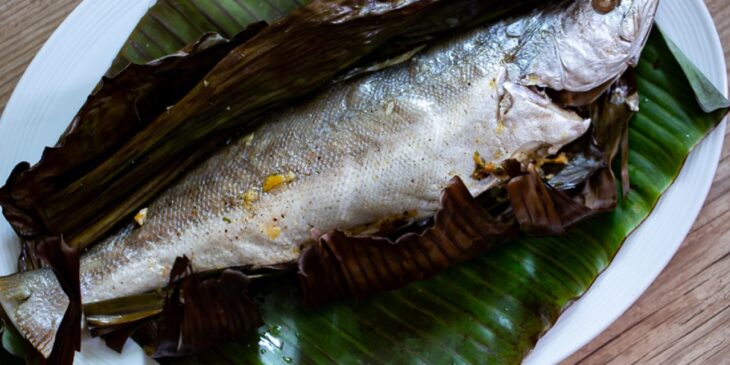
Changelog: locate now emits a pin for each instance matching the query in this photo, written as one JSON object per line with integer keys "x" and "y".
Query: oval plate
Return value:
{"x": 69, "y": 65}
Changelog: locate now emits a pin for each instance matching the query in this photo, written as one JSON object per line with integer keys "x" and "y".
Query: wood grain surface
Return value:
{"x": 683, "y": 318}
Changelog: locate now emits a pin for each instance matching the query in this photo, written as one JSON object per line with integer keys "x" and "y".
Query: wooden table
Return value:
{"x": 684, "y": 317}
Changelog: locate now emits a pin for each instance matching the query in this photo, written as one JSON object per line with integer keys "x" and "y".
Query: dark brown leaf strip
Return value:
{"x": 339, "y": 265}
{"x": 216, "y": 310}
{"x": 532, "y": 204}
{"x": 568, "y": 209}
{"x": 599, "y": 192}
{"x": 211, "y": 311}
{"x": 169, "y": 323}
{"x": 64, "y": 261}
{"x": 610, "y": 117}
{"x": 120, "y": 106}
{"x": 24, "y": 222}
{"x": 226, "y": 94}
{"x": 199, "y": 312}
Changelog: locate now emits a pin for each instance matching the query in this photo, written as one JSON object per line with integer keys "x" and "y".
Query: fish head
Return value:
{"x": 583, "y": 47}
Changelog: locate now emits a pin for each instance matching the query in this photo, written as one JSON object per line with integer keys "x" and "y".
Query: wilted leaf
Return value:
{"x": 90, "y": 195}
{"x": 493, "y": 309}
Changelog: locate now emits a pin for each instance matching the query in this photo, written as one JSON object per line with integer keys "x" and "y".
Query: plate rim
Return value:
{"x": 87, "y": 7}
{"x": 713, "y": 142}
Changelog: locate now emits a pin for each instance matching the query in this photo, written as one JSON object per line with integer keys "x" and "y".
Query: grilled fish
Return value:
{"x": 378, "y": 146}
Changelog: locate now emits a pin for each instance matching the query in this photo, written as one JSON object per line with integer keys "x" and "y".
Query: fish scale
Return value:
{"x": 363, "y": 150}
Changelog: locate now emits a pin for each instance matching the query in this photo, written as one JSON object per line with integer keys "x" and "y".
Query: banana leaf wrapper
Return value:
{"x": 494, "y": 308}
{"x": 287, "y": 324}
{"x": 340, "y": 265}
{"x": 118, "y": 108}
{"x": 337, "y": 266}
{"x": 148, "y": 124}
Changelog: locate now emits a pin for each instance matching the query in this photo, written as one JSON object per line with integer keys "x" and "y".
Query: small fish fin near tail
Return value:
{"x": 35, "y": 304}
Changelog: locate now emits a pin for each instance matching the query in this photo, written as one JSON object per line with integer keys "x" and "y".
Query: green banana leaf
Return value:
{"x": 170, "y": 25}
{"x": 494, "y": 309}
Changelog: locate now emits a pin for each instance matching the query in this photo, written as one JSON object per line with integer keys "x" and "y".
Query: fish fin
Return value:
{"x": 35, "y": 304}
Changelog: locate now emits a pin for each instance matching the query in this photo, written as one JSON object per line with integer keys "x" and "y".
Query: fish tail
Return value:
{"x": 35, "y": 303}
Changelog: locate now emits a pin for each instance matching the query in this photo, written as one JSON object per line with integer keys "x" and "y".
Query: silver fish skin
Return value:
{"x": 362, "y": 150}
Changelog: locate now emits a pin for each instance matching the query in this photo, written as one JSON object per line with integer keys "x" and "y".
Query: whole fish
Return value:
{"x": 379, "y": 146}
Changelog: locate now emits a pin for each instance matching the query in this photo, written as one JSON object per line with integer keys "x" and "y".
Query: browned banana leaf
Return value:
{"x": 493, "y": 309}
{"x": 90, "y": 183}
{"x": 119, "y": 108}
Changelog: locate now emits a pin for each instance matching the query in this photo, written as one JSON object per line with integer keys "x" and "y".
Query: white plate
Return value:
{"x": 68, "y": 66}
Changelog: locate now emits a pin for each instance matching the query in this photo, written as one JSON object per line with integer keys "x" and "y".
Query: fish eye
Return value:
{"x": 605, "y": 6}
